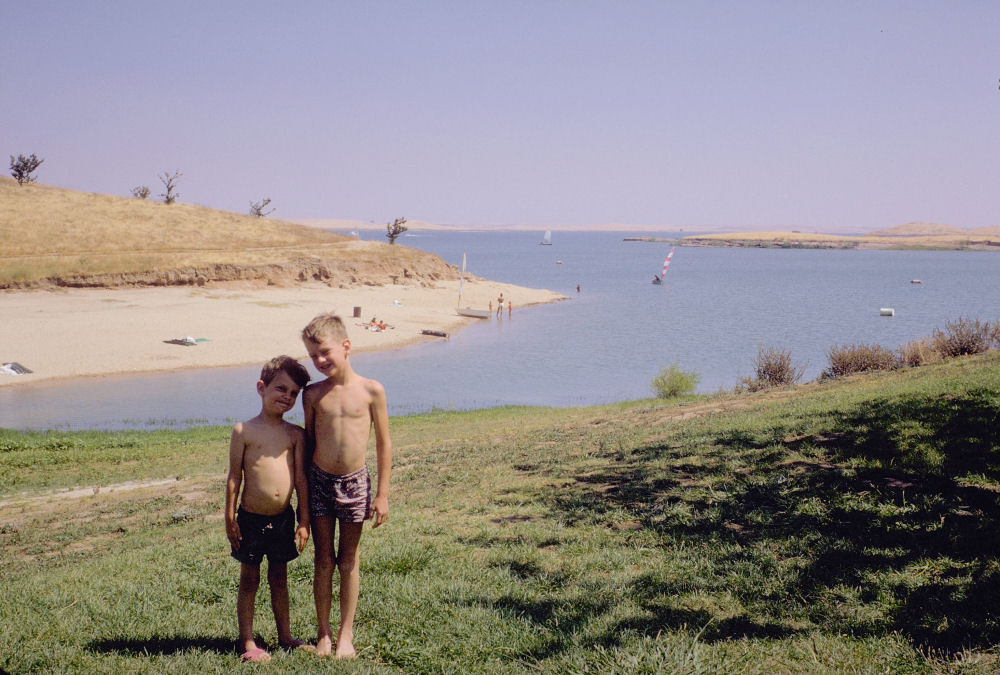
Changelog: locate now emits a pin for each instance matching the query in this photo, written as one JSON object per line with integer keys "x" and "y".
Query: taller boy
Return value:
{"x": 340, "y": 413}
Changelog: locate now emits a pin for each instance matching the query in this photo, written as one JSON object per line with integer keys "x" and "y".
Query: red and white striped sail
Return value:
{"x": 666, "y": 264}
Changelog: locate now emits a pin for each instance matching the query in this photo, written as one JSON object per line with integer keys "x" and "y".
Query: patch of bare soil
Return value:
{"x": 84, "y": 519}
{"x": 424, "y": 271}
{"x": 36, "y": 505}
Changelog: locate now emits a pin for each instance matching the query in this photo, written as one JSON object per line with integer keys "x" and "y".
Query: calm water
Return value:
{"x": 604, "y": 344}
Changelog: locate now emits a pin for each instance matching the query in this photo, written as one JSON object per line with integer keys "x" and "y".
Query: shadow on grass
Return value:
{"x": 891, "y": 523}
{"x": 163, "y": 645}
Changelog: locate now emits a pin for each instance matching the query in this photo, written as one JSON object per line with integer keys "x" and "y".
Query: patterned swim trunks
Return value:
{"x": 347, "y": 498}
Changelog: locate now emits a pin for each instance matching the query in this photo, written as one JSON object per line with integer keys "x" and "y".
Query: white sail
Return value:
{"x": 547, "y": 239}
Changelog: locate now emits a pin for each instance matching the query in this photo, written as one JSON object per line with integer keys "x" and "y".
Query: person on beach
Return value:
{"x": 267, "y": 458}
{"x": 340, "y": 413}
{"x": 500, "y": 305}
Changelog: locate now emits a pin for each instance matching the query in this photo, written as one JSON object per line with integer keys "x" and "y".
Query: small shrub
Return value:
{"x": 170, "y": 185}
{"x": 673, "y": 382}
{"x": 772, "y": 368}
{"x": 860, "y": 359}
{"x": 394, "y": 229}
{"x": 964, "y": 336}
{"x": 917, "y": 353}
{"x": 23, "y": 167}
{"x": 140, "y": 191}
{"x": 257, "y": 208}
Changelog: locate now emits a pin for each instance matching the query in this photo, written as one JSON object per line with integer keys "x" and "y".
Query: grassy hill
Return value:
{"x": 845, "y": 526}
{"x": 51, "y": 235}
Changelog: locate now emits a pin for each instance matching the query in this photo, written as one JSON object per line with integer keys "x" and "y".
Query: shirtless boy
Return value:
{"x": 340, "y": 413}
{"x": 267, "y": 455}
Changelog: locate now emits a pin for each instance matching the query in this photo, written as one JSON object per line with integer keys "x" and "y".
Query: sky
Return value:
{"x": 819, "y": 116}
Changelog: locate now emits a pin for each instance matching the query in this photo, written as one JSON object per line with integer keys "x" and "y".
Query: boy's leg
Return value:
{"x": 277, "y": 580}
{"x": 347, "y": 565}
{"x": 323, "y": 531}
{"x": 249, "y": 581}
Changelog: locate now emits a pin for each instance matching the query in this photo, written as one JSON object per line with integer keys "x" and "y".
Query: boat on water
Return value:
{"x": 474, "y": 313}
{"x": 468, "y": 311}
{"x": 658, "y": 278}
{"x": 546, "y": 239}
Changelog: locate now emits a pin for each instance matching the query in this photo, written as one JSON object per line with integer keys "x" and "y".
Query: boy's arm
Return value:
{"x": 310, "y": 424}
{"x": 383, "y": 454}
{"x": 233, "y": 482}
{"x": 301, "y": 490}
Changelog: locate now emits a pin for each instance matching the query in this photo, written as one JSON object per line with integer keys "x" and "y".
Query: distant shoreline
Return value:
{"x": 801, "y": 241}
{"x": 914, "y": 236}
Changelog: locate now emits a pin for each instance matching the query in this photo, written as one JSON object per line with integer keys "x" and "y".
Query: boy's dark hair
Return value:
{"x": 325, "y": 325}
{"x": 285, "y": 364}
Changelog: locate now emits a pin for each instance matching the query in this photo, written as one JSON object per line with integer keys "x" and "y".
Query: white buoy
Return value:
{"x": 887, "y": 311}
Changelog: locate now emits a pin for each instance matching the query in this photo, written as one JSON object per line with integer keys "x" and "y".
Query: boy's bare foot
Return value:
{"x": 324, "y": 646}
{"x": 255, "y": 655}
{"x": 345, "y": 647}
{"x": 293, "y": 643}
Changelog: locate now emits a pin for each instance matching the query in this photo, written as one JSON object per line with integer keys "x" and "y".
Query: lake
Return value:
{"x": 716, "y": 308}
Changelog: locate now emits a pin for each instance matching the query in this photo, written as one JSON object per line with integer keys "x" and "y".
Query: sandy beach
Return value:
{"x": 74, "y": 333}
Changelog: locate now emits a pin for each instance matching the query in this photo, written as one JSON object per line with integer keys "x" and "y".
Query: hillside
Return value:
{"x": 55, "y": 236}
{"x": 847, "y": 526}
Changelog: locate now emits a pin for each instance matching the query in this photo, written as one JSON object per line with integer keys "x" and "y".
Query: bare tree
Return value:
{"x": 140, "y": 191}
{"x": 170, "y": 185}
{"x": 394, "y": 229}
{"x": 257, "y": 208}
{"x": 22, "y": 168}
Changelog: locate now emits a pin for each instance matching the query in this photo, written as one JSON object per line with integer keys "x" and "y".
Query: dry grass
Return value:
{"x": 772, "y": 368}
{"x": 45, "y": 220}
{"x": 49, "y": 232}
{"x": 848, "y": 359}
{"x": 918, "y": 353}
{"x": 965, "y": 336}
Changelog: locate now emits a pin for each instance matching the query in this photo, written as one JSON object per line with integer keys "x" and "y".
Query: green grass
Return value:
{"x": 844, "y": 526}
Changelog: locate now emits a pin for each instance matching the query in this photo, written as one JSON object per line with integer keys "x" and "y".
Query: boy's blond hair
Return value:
{"x": 325, "y": 325}
{"x": 287, "y": 365}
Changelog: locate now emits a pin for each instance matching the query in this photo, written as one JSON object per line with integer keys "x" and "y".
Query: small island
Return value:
{"x": 910, "y": 236}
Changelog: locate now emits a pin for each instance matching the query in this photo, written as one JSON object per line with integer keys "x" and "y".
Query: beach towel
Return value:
{"x": 14, "y": 368}
{"x": 187, "y": 341}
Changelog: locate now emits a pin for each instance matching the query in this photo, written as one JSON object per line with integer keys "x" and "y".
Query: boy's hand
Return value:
{"x": 379, "y": 510}
{"x": 301, "y": 537}
{"x": 233, "y": 532}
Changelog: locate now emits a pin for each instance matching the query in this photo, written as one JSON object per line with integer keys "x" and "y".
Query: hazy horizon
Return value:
{"x": 718, "y": 115}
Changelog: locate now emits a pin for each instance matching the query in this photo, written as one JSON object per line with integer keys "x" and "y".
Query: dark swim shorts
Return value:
{"x": 347, "y": 498}
{"x": 273, "y": 536}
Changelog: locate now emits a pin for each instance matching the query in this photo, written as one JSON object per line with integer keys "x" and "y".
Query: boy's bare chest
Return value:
{"x": 270, "y": 446}
{"x": 344, "y": 406}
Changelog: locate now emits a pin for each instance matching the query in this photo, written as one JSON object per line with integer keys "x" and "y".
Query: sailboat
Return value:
{"x": 468, "y": 311}
{"x": 666, "y": 263}
{"x": 546, "y": 239}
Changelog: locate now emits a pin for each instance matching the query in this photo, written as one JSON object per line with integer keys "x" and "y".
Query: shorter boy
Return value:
{"x": 266, "y": 455}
